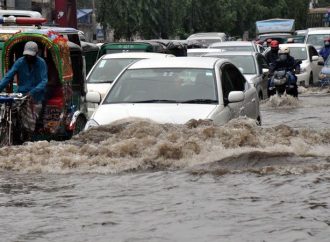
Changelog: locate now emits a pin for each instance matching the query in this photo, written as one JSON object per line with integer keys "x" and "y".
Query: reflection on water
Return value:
{"x": 136, "y": 180}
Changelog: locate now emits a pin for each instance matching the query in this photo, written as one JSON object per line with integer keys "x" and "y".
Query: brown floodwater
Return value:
{"x": 137, "y": 180}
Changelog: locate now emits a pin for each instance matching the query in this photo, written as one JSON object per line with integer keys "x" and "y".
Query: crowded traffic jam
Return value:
{"x": 209, "y": 75}
{"x": 277, "y": 62}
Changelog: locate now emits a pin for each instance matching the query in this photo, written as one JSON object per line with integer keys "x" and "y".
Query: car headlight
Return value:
{"x": 90, "y": 124}
{"x": 322, "y": 76}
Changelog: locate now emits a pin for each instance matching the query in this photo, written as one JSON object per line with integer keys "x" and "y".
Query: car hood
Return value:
{"x": 160, "y": 112}
{"x": 101, "y": 88}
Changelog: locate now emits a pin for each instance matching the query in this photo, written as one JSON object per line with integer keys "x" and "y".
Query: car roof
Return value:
{"x": 295, "y": 45}
{"x": 239, "y": 53}
{"x": 232, "y": 43}
{"x": 207, "y": 34}
{"x": 321, "y": 30}
{"x": 180, "y": 62}
{"x": 135, "y": 55}
{"x": 197, "y": 50}
{"x": 275, "y": 34}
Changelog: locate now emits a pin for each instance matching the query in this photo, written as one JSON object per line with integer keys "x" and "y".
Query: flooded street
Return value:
{"x": 136, "y": 180}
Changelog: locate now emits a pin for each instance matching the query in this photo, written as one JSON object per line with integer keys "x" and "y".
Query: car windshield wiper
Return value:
{"x": 156, "y": 101}
{"x": 200, "y": 101}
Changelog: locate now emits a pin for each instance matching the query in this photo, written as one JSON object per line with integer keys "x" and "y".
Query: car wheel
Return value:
{"x": 80, "y": 125}
{"x": 311, "y": 79}
{"x": 259, "y": 121}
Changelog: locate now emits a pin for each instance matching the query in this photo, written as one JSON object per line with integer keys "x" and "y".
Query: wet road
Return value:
{"x": 141, "y": 181}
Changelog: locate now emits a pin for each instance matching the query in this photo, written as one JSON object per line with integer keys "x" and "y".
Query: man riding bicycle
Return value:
{"x": 32, "y": 80}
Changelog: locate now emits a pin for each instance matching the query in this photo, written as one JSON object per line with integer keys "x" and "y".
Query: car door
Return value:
{"x": 238, "y": 83}
{"x": 263, "y": 76}
{"x": 250, "y": 104}
{"x": 316, "y": 68}
{"x": 227, "y": 85}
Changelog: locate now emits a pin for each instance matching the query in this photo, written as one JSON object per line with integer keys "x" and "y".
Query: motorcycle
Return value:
{"x": 280, "y": 82}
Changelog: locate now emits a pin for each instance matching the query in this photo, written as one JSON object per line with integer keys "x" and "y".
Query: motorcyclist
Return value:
{"x": 325, "y": 51}
{"x": 272, "y": 55}
{"x": 286, "y": 62}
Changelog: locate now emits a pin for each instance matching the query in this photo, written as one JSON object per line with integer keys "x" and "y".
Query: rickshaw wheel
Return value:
{"x": 80, "y": 125}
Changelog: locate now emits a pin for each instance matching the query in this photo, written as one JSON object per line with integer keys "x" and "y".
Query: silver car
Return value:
{"x": 176, "y": 90}
{"x": 253, "y": 65}
{"x": 238, "y": 46}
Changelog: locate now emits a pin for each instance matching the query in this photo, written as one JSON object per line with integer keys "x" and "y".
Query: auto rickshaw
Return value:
{"x": 64, "y": 111}
{"x": 137, "y": 46}
{"x": 90, "y": 51}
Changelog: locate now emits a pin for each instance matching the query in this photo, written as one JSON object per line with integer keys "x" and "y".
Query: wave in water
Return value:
{"x": 285, "y": 101}
{"x": 199, "y": 146}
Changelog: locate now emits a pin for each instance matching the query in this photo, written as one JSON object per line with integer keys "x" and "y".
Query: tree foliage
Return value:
{"x": 179, "y": 18}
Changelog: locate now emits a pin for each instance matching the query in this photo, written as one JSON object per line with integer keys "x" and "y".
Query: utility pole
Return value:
{"x": 94, "y": 21}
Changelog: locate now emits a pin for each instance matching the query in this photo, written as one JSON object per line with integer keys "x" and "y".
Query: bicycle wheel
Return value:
{"x": 4, "y": 133}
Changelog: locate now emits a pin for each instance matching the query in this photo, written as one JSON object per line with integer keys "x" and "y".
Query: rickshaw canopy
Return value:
{"x": 55, "y": 44}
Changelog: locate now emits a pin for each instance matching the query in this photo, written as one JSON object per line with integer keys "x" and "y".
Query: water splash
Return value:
{"x": 137, "y": 144}
{"x": 285, "y": 101}
{"x": 313, "y": 90}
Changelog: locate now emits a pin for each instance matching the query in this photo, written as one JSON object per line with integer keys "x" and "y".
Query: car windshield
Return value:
{"x": 164, "y": 85}
{"x": 299, "y": 53}
{"x": 234, "y": 48}
{"x": 245, "y": 63}
{"x": 317, "y": 39}
{"x": 108, "y": 69}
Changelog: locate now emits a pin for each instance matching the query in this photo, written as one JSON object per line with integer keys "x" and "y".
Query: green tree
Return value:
{"x": 172, "y": 18}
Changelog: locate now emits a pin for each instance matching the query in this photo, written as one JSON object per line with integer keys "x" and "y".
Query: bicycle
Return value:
{"x": 9, "y": 103}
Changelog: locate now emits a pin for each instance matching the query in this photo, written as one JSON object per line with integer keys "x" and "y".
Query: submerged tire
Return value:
{"x": 80, "y": 125}
{"x": 280, "y": 90}
{"x": 311, "y": 79}
{"x": 4, "y": 134}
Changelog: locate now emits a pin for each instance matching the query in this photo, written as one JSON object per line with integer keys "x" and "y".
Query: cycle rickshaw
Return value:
{"x": 64, "y": 111}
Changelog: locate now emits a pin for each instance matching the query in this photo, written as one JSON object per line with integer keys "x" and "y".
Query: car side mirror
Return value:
{"x": 93, "y": 97}
{"x": 315, "y": 58}
{"x": 236, "y": 96}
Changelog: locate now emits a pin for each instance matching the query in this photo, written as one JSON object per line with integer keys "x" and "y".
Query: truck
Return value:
{"x": 275, "y": 29}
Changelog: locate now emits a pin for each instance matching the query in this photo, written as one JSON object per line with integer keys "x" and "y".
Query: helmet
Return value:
{"x": 274, "y": 44}
{"x": 327, "y": 41}
{"x": 284, "y": 50}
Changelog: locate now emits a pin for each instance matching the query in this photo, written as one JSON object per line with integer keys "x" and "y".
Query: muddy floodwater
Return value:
{"x": 136, "y": 180}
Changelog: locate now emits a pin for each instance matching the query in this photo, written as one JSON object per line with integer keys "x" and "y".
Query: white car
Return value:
{"x": 253, "y": 65}
{"x": 316, "y": 36}
{"x": 106, "y": 69}
{"x": 201, "y": 51}
{"x": 176, "y": 90}
{"x": 238, "y": 46}
{"x": 207, "y": 38}
{"x": 310, "y": 67}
